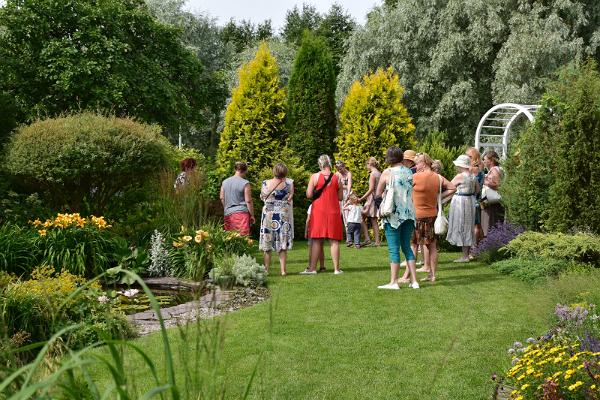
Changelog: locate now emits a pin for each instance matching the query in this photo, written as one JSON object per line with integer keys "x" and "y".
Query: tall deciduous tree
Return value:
{"x": 311, "y": 101}
{"x": 457, "y": 58}
{"x": 255, "y": 118}
{"x": 110, "y": 55}
{"x": 372, "y": 119}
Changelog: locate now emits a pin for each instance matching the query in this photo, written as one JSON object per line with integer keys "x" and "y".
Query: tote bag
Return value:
{"x": 387, "y": 204}
{"x": 440, "y": 225}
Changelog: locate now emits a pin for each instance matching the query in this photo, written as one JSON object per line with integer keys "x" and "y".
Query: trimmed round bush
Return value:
{"x": 86, "y": 158}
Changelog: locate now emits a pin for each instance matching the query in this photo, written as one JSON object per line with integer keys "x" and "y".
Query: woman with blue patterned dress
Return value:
{"x": 400, "y": 224}
{"x": 277, "y": 221}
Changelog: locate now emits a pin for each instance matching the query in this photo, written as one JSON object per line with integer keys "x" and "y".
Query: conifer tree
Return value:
{"x": 311, "y": 101}
{"x": 372, "y": 119}
{"x": 255, "y": 119}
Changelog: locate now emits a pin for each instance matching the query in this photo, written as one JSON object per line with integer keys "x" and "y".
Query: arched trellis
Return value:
{"x": 494, "y": 127}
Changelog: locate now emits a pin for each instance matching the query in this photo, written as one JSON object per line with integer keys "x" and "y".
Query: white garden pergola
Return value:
{"x": 494, "y": 127}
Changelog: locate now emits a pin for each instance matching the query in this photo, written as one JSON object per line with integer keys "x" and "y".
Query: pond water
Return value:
{"x": 134, "y": 300}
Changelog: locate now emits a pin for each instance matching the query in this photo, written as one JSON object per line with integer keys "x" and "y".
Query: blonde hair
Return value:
{"x": 324, "y": 161}
{"x": 425, "y": 158}
{"x": 280, "y": 170}
{"x": 437, "y": 166}
{"x": 475, "y": 156}
{"x": 373, "y": 162}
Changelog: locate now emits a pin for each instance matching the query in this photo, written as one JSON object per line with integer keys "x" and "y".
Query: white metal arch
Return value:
{"x": 501, "y": 117}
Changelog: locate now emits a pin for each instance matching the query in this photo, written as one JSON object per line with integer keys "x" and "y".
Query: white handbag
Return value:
{"x": 440, "y": 225}
{"x": 387, "y": 204}
{"x": 490, "y": 196}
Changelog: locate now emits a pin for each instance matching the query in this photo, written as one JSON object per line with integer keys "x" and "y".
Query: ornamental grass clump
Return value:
{"x": 562, "y": 364}
{"x": 489, "y": 249}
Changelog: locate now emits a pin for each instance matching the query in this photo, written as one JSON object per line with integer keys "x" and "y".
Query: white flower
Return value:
{"x": 130, "y": 292}
{"x": 511, "y": 351}
{"x": 531, "y": 340}
{"x": 103, "y": 299}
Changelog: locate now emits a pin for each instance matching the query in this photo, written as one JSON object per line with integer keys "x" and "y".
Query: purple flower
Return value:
{"x": 567, "y": 314}
{"x": 498, "y": 236}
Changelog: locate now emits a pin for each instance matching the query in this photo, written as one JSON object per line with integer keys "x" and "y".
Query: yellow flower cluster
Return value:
{"x": 199, "y": 237}
{"x": 45, "y": 283}
{"x": 64, "y": 221}
{"x": 548, "y": 362}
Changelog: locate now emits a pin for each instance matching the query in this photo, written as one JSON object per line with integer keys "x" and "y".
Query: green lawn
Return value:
{"x": 339, "y": 337}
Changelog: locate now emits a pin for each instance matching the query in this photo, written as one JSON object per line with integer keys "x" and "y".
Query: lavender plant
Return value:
{"x": 489, "y": 249}
{"x": 159, "y": 256}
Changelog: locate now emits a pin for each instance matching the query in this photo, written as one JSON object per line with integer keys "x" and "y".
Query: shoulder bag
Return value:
{"x": 317, "y": 192}
{"x": 387, "y": 204}
{"x": 440, "y": 225}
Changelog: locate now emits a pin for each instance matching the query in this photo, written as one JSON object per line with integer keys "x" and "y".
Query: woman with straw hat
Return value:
{"x": 462, "y": 208}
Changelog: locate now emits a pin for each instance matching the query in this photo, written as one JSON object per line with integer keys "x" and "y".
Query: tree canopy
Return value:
{"x": 110, "y": 56}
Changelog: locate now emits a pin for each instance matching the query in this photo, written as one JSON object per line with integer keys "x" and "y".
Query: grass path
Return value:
{"x": 339, "y": 337}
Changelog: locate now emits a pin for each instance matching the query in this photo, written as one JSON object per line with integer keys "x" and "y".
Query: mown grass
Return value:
{"x": 339, "y": 337}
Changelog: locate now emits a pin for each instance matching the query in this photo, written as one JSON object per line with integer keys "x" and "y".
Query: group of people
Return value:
{"x": 418, "y": 191}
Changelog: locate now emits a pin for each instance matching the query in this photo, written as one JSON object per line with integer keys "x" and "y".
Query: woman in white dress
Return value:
{"x": 462, "y": 208}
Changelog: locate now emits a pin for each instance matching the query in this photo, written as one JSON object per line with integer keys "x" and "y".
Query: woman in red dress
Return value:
{"x": 326, "y": 192}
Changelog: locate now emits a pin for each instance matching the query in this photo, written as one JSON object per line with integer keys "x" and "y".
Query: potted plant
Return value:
{"x": 223, "y": 274}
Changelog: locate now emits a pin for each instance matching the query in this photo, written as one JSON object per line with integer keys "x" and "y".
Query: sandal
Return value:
{"x": 322, "y": 269}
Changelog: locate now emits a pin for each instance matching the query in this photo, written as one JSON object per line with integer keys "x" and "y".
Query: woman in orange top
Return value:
{"x": 426, "y": 186}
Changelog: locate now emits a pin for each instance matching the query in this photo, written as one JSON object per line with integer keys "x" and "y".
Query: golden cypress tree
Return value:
{"x": 372, "y": 119}
{"x": 254, "y": 122}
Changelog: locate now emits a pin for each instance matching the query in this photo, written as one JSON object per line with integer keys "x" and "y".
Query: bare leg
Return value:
{"x": 310, "y": 253}
{"x": 335, "y": 254}
{"x": 267, "y": 261}
{"x": 411, "y": 266}
{"x": 394, "y": 267}
{"x": 404, "y": 278}
{"x": 432, "y": 253}
{"x": 365, "y": 230}
{"x": 283, "y": 261}
{"x": 322, "y": 259}
{"x": 465, "y": 251}
{"x": 427, "y": 257}
{"x": 317, "y": 247}
{"x": 375, "y": 226}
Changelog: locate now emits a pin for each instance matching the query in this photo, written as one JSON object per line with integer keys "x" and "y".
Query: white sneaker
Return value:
{"x": 419, "y": 262}
{"x": 414, "y": 285}
{"x": 338, "y": 272}
{"x": 393, "y": 286}
{"x": 307, "y": 272}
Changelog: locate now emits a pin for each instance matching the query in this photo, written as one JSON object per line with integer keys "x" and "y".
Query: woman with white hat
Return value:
{"x": 462, "y": 208}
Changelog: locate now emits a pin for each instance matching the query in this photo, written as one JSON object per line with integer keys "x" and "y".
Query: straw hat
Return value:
{"x": 463, "y": 161}
{"x": 410, "y": 155}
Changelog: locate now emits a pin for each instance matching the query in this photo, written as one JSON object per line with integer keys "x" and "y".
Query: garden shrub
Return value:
{"x": 554, "y": 170}
{"x": 532, "y": 271}
{"x": 435, "y": 145}
{"x": 499, "y": 235}
{"x": 84, "y": 160}
{"x": 372, "y": 118}
{"x": 50, "y": 301}
{"x": 195, "y": 252}
{"x": 581, "y": 247}
{"x": 254, "y": 121}
{"x": 311, "y": 102}
{"x": 244, "y": 268}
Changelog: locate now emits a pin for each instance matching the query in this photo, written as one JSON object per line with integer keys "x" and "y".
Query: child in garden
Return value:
{"x": 322, "y": 255}
{"x": 354, "y": 220}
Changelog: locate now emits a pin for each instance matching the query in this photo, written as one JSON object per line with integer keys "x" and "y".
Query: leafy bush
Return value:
{"x": 311, "y": 102}
{"x": 160, "y": 265}
{"x": 533, "y": 270}
{"x": 244, "y": 268}
{"x": 581, "y": 247}
{"x": 82, "y": 246}
{"x": 50, "y": 301}
{"x": 254, "y": 121}
{"x": 86, "y": 159}
{"x": 563, "y": 363}
{"x": 194, "y": 253}
{"x": 435, "y": 145}
{"x": 488, "y": 249}
{"x": 372, "y": 119}
{"x": 547, "y": 186}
